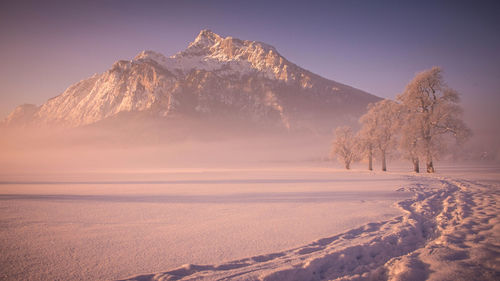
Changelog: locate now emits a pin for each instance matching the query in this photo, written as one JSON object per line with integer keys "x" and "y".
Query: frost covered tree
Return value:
{"x": 344, "y": 146}
{"x": 380, "y": 126}
{"x": 433, "y": 114}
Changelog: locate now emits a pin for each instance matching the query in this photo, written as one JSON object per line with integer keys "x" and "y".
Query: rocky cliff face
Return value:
{"x": 215, "y": 78}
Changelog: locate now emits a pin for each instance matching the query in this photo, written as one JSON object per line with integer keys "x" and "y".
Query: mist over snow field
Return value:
{"x": 266, "y": 223}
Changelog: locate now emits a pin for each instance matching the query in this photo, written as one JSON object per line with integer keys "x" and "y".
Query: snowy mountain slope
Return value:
{"x": 213, "y": 78}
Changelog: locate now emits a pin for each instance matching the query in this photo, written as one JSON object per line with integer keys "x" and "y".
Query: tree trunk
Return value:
{"x": 347, "y": 165}
{"x": 370, "y": 159}
{"x": 430, "y": 166}
{"x": 384, "y": 164}
{"x": 416, "y": 164}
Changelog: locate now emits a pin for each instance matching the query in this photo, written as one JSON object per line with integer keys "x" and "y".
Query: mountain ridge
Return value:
{"x": 214, "y": 77}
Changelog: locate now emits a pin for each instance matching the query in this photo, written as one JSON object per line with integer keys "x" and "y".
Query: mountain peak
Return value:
{"x": 206, "y": 38}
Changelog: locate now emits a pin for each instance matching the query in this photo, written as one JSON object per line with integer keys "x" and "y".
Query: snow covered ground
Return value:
{"x": 277, "y": 223}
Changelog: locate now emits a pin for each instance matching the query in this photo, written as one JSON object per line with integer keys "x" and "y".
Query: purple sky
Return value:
{"x": 376, "y": 46}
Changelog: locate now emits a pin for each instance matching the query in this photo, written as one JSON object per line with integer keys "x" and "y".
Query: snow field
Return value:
{"x": 110, "y": 226}
{"x": 449, "y": 231}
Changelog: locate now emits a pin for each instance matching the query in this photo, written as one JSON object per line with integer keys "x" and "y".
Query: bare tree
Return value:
{"x": 433, "y": 113}
{"x": 380, "y": 126}
{"x": 344, "y": 146}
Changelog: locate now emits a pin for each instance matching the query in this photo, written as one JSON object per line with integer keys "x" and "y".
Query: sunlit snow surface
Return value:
{"x": 279, "y": 223}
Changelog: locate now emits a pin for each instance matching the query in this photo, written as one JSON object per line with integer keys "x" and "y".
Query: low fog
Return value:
{"x": 32, "y": 153}
{"x": 35, "y": 154}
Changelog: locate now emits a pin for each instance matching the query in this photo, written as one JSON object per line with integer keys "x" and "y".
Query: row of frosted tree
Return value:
{"x": 419, "y": 125}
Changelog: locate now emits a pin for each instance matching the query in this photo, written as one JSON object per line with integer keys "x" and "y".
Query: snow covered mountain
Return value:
{"x": 215, "y": 78}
